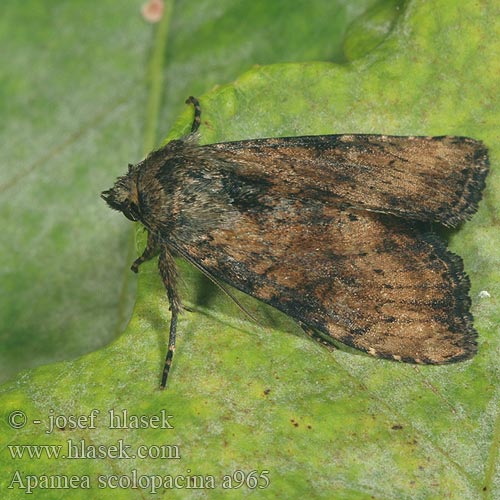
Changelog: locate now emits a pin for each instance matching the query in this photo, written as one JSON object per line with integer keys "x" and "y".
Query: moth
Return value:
{"x": 333, "y": 230}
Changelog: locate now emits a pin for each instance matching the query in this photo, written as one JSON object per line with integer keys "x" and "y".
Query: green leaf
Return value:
{"x": 248, "y": 397}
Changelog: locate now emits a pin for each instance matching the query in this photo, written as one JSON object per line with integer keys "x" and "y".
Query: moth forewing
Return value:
{"x": 436, "y": 179}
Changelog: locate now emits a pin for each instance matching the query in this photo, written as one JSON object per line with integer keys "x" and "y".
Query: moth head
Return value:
{"x": 124, "y": 196}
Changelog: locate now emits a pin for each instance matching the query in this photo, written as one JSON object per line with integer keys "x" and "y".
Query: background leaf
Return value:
{"x": 86, "y": 88}
{"x": 246, "y": 397}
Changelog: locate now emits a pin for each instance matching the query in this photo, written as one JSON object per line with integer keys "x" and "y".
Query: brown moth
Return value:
{"x": 333, "y": 230}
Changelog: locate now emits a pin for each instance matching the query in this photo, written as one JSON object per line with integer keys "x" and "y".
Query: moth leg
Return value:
{"x": 317, "y": 336}
{"x": 197, "y": 113}
{"x": 152, "y": 249}
{"x": 168, "y": 274}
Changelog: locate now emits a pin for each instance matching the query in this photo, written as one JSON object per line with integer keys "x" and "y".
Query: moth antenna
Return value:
{"x": 197, "y": 113}
{"x": 221, "y": 286}
{"x": 317, "y": 335}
